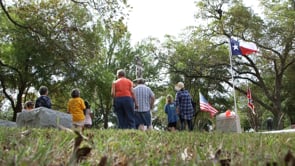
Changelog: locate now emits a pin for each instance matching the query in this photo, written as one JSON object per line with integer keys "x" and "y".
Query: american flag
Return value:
{"x": 205, "y": 106}
{"x": 250, "y": 100}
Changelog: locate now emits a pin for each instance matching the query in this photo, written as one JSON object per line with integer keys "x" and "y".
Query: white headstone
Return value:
{"x": 230, "y": 123}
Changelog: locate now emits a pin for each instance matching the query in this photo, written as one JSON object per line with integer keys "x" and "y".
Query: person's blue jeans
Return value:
{"x": 124, "y": 109}
{"x": 143, "y": 118}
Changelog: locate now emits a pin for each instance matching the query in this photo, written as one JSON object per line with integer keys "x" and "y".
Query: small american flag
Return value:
{"x": 205, "y": 106}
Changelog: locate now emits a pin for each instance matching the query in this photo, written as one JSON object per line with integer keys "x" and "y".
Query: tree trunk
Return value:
{"x": 18, "y": 107}
{"x": 292, "y": 119}
{"x": 105, "y": 112}
{"x": 106, "y": 119}
{"x": 278, "y": 120}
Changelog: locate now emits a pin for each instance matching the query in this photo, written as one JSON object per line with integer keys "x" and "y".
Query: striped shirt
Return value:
{"x": 184, "y": 104}
{"x": 143, "y": 96}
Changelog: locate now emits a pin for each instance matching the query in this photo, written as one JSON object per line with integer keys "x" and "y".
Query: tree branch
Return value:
{"x": 9, "y": 17}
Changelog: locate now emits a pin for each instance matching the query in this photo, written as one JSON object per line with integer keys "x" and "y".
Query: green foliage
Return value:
{"x": 65, "y": 45}
{"x": 52, "y": 31}
{"x": 290, "y": 105}
{"x": 69, "y": 48}
{"x": 159, "y": 116}
{"x": 6, "y": 115}
{"x": 201, "y": 65}
{"x": 200, "y": 58}
{"x": 133, "y": 147}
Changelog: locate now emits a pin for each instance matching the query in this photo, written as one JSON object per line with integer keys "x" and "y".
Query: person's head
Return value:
{"x": 140, "y": 81}
{"x": 87, "y": 104}
{"x": 179, "y": 86}
{"x": 43, "y": 90}
{"x": 29, "y": 105}
{"x": 120, "y": 73}
{"x": 75, "y": 93}
{"x": 169, "y": 99}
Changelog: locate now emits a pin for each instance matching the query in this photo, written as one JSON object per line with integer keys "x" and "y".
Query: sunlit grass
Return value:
{"x": 133, "y": 147}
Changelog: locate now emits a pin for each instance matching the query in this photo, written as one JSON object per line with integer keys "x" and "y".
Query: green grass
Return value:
{"x": 132, "y": 147}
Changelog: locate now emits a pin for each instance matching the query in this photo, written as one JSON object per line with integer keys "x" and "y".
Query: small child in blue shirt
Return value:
{"x": 170, "y": 110}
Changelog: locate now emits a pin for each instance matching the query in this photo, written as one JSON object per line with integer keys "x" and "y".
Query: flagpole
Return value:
{"x": 238, "y": 126}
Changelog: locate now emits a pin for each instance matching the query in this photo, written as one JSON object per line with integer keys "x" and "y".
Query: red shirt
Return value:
{"x": 123, "y": 87}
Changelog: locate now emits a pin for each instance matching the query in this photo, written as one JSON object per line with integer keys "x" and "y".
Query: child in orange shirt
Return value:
{"x": 76, "y": 107}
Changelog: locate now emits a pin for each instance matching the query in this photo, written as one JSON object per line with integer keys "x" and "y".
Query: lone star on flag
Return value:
{"x": 236, "y": 47}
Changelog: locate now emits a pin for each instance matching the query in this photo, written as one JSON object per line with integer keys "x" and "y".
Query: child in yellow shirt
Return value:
{"x": 76, "y": 107}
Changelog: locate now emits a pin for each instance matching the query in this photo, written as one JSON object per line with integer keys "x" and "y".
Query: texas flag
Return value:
{"x": 242, "y": 47}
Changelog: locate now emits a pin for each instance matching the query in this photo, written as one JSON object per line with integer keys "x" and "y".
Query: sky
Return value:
{"x": 155, "y": 18}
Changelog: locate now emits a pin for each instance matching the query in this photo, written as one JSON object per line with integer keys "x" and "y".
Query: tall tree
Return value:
{"x": 43, "y": 43}
{"x": 274, "y": 34}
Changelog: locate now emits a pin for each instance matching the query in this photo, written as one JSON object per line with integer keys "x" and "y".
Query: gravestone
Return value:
{"x": 43, "y": 117}
{"x": 228, "y": 123}
{"x": 7, "y": 123}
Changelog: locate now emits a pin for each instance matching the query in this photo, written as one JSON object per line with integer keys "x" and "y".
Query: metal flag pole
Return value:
{"x": 238, "y": 125}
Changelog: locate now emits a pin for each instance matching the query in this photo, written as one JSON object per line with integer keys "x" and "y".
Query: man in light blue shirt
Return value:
{"x": 145, "y": 98}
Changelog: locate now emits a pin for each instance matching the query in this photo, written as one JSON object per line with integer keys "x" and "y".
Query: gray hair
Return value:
{"x": 121, "y": 73}
{"x": 140, "y": 81}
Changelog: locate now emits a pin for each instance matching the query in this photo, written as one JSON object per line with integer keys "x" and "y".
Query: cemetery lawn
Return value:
{"x": 32, "y": 147}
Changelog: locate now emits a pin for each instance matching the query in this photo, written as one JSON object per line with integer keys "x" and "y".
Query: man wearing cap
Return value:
{"x": 124, "y": 101}
{"x": 145, "y": 98}
{"x": 184, "y": 106}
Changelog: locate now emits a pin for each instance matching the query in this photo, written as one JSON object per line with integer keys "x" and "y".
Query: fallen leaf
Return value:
{"x": 217, "y": 154}
{"x": 103, "y": 161}
{"x": 78, "y": 141}
{"x": 225, "y": 162}
{"x": 26, "y": 133}
{"x": 82, "y": 153}
{"x": 289, "y": 159}
{"x": 121, "y": 161}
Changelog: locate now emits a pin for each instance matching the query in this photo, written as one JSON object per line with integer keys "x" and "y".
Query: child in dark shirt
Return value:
{"x": 43, "y": 100}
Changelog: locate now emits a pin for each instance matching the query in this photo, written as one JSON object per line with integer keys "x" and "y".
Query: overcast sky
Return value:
{"x": 159, "y": 17}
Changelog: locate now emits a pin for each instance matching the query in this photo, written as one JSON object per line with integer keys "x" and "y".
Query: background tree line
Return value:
{"x": 73, "y": 44}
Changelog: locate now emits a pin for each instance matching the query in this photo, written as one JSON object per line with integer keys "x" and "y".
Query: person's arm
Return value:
{"x": 152, "y": 102}
{"x": 37, "y": 103}
{"x": 91, "y": 113}
{"x": 113, "y": 93}
{"x": 68, "y": 108}
{"x": 177, "y": 110}
{"x": 177, "y": 100}
{"x": 133, "y": 95}
{"x": 83, "y": 106}
{"x": 48, "y": 102}
{"x": 166, "y": 108}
